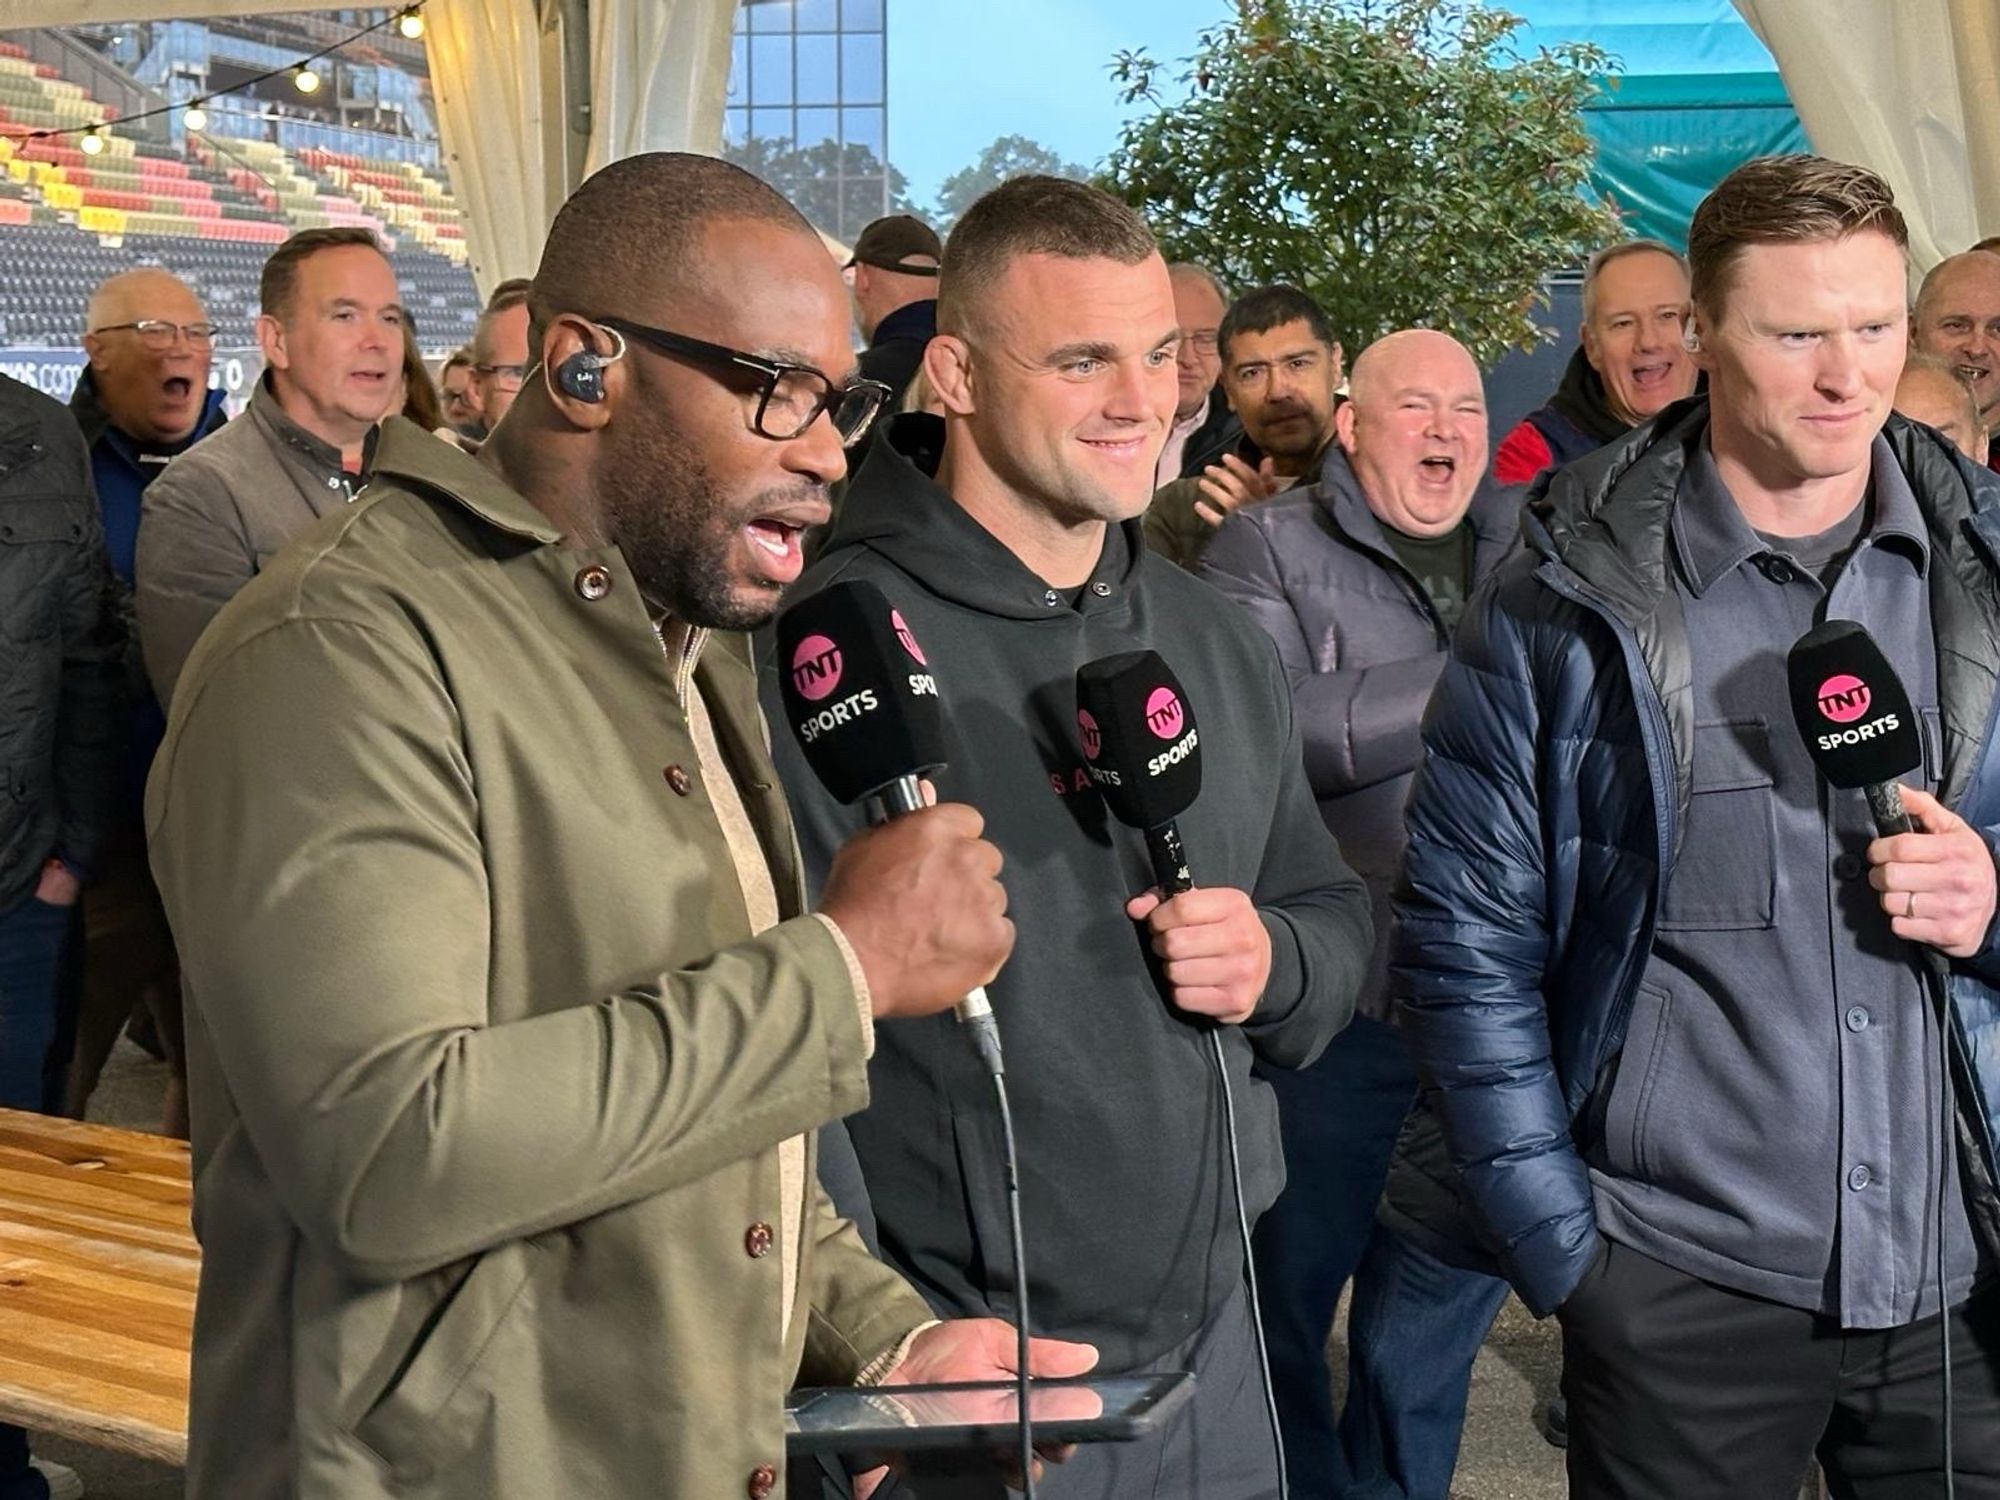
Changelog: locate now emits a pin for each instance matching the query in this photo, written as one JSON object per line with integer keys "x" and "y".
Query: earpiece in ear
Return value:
{"x": 581, "y": 376}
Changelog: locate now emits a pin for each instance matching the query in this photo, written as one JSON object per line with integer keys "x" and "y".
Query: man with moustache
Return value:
{"x": 1359, "y": 581}
{"x": 331, "y": 329}
{"x": 1013, "y": 550}
{"x": 1629, "y": 365}
{"x": 1661, "y": 980}
{"x": 143, "y": 400}
{"x": 1957, "y": 319}
{"x": 508, "y": 1022}
{"x": 1281, "y": 374}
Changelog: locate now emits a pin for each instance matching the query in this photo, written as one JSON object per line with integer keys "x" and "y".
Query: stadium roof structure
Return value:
{"x": 533, "y": 95}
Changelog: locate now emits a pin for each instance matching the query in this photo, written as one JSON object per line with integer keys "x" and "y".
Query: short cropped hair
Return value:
{"x": 1944, "y": 369}
{"x": 634, "y": 226}
{"x": 1033, "y": 215}
{"x": 510, "y": 293}
{"x": 1269, "y": 307}
{"x": 459, "y": 359}
{"x": 280, "y": 279}
{"x": 1784, "y": 200}
{"x": 1611, "y": 254}
{"x": 1200, "y": 273}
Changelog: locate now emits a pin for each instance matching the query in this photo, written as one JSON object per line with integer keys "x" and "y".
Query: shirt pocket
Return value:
{"x": 1725, "y": 877}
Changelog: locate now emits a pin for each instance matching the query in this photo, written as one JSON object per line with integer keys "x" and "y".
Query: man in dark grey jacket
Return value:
{"x": 1360, "y": 580}
{"x": 62, "y": 733}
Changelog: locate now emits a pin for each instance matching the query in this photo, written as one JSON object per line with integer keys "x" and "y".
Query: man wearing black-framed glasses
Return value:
{"x": 514, "y": 1023}
{"x": 142, "y": 400}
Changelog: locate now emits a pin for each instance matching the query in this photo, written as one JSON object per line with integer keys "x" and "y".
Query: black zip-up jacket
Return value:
{"x": 62, "y": 699}
{"x": 1132, "y": 1240}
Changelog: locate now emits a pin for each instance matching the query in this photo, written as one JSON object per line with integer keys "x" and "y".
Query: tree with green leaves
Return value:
{"x": 1401, "y": 160}
{"x": 1009, "y": 156}
{"x": 838, "y": 186}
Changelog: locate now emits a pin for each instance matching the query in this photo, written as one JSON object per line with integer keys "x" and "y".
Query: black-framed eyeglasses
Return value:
{"x": 1204, "y": 340}
{"x": 789, "y": 397}
{"x": 158, "y": 333}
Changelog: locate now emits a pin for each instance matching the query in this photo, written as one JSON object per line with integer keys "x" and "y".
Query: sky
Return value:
{"x": 964, "y": 72}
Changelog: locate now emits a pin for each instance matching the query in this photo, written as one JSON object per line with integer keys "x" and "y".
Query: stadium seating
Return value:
{"x": 210, "y": 214}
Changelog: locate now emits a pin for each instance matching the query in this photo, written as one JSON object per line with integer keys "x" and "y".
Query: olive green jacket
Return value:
{"x": 489, "y": 1074}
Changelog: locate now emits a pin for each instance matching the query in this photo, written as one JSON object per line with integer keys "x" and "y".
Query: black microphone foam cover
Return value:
{"x": 1850, "y": 706}
{"x": 858, "y": 693}
{"x": 1139, "y": 737}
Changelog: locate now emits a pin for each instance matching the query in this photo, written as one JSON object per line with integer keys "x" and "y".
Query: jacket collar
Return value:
{"x": 422, "y": 460}
{"x": 272, "y": 420}
{"x": 1493, "y": 514}
{"x": 1711, "y": 536}
{"x": 896, "y": 507}
{"x": 913, "y": 320}
{"x": 87, "y": 407}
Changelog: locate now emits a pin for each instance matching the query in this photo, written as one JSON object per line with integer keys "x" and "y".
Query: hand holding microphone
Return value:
{"x": 920, "y": 901}
{"x": 1144, "y": 751}
{"x": 919, "y": 895}
{"x": 1935, "y": 874}
{"x": 1938, "y": 884}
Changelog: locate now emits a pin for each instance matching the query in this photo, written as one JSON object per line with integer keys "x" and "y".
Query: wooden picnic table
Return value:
{"x": 98, "y": 1265}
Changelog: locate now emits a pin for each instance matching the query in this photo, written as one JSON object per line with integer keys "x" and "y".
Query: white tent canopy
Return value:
{"x": 533, "y": 95}
{"x": 1911, "y": 90}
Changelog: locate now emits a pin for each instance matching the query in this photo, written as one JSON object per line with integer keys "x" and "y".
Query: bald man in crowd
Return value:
{"x": 1360, "y": 580}
{"x": 1932, "y": 392}
{"x": 503, "y": 1157}
{"x": 1957, "y": 319}
{"x": 142, "y": 400}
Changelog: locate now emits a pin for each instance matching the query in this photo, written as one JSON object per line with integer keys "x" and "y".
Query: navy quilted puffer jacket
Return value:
{"x": 1545, "y": 818}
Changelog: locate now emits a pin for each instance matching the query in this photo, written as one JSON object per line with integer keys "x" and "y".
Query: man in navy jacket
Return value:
{"x": 1662, "y": 981}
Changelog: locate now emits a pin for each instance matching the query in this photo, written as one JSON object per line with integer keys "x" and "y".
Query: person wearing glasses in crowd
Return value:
{"x": 331, "y": 331}
{"x": 458, "y": 391}
{"x": 509, "y": 1023}
{"x": 1281, "y": 372}
{"x": 1204, "y": 426}
{"x": 500, "y": 350}
{"x": 142, "y": 400}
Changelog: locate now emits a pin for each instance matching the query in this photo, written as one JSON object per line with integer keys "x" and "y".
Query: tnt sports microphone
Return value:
{"x": 1144, "y": 752}
{"x": 861, "y": 699}
{"x": 1855, "y": 717}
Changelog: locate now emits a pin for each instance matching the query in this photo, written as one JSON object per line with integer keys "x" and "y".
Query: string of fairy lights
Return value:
{"x": 307, "y": 79}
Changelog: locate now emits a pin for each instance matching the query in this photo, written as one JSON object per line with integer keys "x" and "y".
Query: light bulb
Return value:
{"x": 411, "y": 25}
{"x": 92, "y": 143}
{"x": 196, "y": 118}
{"x": 305, "y": 80}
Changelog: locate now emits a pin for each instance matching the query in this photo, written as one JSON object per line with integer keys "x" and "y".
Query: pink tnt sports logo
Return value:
{"x": 1843, "y": 698}
{"x": 816, "y": 667}
{"x": 1163, "y": 713}
{"x": 1092, "y": 740}
{"x": 904, "y": 635}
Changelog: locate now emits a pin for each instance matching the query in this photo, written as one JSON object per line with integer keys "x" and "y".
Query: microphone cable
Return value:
{"x": 905, "y": 795}
{"x": 1937, "y": 980}
{"x": 1171, "y": 867}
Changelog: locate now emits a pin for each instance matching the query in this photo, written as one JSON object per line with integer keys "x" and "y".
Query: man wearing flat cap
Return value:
{"x": 894, "y": 276}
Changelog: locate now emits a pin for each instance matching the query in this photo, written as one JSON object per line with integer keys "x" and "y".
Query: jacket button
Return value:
{"x": 1859, "y": 1178}
{"x": 757, "y": 1241}
{"x": 763, "y": 1479}
{"x": 1779, "y": 570}
{"x": 679, "y": 780}
{"x": 1857, "y": 1018}
{"x": 1847, "y": 867}
{"x": 1101, "y": 589}
{"x": 1051, "y": 598}
{"x": 593, "y": 582}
